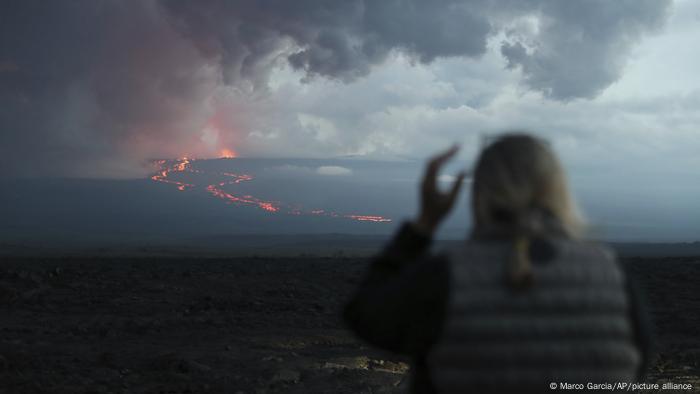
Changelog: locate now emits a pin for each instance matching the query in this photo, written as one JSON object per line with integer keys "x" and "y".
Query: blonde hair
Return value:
{"x": 520, "y": 192}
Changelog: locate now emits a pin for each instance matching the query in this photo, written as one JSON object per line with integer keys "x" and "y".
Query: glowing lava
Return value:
{"x": 170, "y": 169}
{"x": 227, "y": 154}
{"x": 217, "y": 191}
{"x": 164, "y": 171}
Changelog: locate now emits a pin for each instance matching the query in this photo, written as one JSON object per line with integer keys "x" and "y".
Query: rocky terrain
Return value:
{"x": 244, "y": 325}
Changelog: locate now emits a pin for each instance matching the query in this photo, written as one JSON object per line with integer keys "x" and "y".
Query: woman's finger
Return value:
{"x": 457, "y": 185}
{"x": 437, "y": 162}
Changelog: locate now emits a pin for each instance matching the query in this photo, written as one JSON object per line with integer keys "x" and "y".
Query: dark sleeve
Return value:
{"x": 400, "y": 304}
{"x": 643, "y": 326}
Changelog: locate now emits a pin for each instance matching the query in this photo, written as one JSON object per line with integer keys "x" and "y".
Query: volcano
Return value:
{"x": 210, "y": 202}
{"x": 170, "y": 171}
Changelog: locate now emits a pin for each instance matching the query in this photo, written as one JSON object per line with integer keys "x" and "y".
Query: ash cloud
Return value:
{"x": 95, "y": 88}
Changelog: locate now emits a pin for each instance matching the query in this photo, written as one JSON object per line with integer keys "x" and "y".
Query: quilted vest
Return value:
{"x": 572, "y": 326}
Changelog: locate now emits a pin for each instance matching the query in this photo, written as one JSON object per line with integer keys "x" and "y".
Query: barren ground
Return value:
{"x": 244, "y": 325}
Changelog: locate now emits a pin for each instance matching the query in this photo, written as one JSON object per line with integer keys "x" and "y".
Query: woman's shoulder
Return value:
{"x": 578, "y": 249}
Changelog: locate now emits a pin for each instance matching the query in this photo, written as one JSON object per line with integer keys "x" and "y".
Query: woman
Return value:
{"x": 523, "y": 304}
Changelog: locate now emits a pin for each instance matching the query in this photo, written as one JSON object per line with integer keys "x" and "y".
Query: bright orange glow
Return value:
{"x": 164, "y": 170}
{"x": 167, "y": 170}
{"x": 227, "y": 154}
{"x": 217, "y": 191}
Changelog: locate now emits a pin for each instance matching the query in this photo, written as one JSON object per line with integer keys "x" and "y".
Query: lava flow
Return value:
{"x": 217, "y": 191}
{"x": 167, "y": 170}
{"x": 182, "y": 165}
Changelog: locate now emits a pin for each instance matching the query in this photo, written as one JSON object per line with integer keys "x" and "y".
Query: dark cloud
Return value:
{"x": 337, "y": 39}
{"x": 97, "y": 87}
{"x": 577, "y": 49}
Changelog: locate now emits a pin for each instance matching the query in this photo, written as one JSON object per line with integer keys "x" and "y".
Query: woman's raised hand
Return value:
{"x": 435, "y": 204}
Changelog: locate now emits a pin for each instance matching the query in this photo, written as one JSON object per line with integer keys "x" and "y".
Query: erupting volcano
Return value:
{"x": 172, "y": 171}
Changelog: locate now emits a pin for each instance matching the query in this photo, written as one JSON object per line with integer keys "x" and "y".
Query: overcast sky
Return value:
{"x": 97, "y": 88}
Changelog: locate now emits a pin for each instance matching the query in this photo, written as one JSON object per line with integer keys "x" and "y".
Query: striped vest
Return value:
{"x": 571, "y": 326}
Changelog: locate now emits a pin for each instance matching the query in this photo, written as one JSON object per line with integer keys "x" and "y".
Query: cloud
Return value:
{"x": 573, "y": 50}
{"x": 337, "y": 39}
{"x": 93, "y": 88}
{"x": 446, "y": 178}
{"x": 296, "y": 170}
{"x": 333, "y": 171}
{"x": 564, "y": 49}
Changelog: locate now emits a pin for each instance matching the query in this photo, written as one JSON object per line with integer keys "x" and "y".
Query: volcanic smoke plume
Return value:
{"x": 95, "y": 88}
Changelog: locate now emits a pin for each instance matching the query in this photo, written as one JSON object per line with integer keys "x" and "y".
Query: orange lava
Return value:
{"x": 217, "y": 191}
{"x": 227, "y": 154}
{"x": 169, "y": 169}
{"x": 182, "y": 165}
